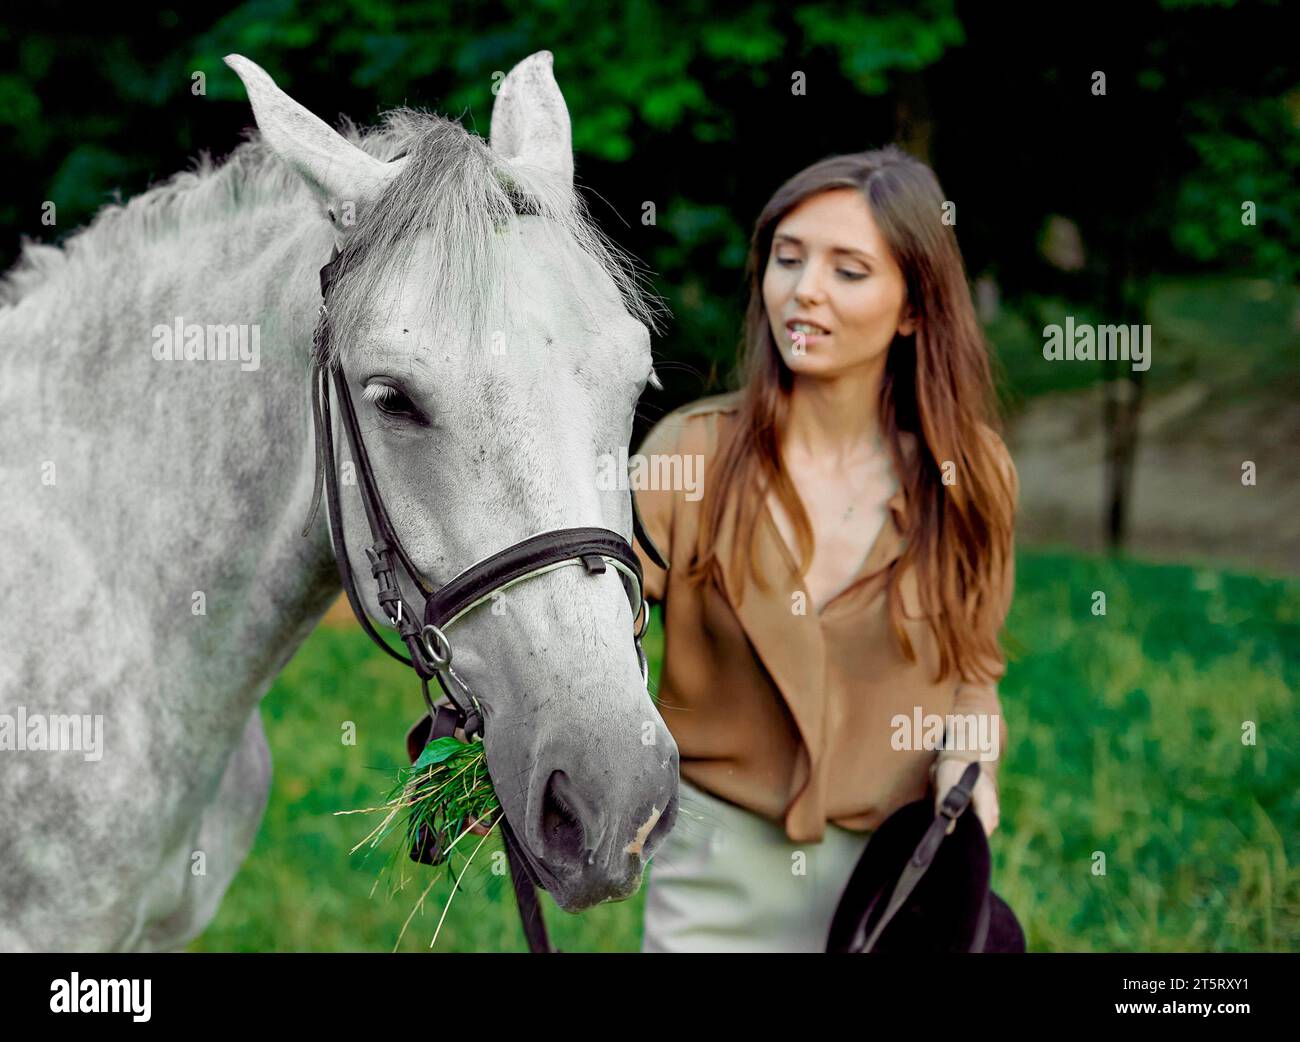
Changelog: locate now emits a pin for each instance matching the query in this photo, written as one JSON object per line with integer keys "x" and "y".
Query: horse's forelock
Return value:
{"x": 455, "y": 186}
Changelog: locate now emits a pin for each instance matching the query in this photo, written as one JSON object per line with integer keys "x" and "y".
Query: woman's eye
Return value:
{"x": 850, "y": 276}
{"x": 391, "y": 401}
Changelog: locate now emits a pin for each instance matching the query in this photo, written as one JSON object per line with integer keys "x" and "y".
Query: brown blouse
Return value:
{"x": 788, "y": 714}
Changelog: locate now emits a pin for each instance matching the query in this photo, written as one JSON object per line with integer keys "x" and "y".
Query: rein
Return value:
{"x": 429, "y": 651}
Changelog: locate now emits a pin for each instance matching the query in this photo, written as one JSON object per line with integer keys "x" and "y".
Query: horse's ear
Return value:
{"x": 343, "y": 177}
{"x": 530, "y": 121}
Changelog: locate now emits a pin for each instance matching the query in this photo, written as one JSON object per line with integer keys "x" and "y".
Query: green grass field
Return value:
{"x": 1125, "y": 743}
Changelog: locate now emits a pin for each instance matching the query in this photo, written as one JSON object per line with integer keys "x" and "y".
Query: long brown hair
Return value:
{"x": 937, "y": 386}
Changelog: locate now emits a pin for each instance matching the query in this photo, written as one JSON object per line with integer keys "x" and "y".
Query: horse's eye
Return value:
{"x": 391, "y": 401}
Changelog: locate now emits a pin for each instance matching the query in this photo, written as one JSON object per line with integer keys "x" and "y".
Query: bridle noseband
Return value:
{"x": 429, "y": 649}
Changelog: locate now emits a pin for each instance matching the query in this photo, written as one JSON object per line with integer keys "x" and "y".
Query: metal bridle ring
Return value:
{"x": 437, "y": 659}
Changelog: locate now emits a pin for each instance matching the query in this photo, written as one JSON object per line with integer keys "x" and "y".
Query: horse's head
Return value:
{"x": 495, "y": 346}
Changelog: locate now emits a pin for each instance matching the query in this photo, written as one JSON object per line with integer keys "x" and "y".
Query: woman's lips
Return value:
{"x": 798, "y": 337}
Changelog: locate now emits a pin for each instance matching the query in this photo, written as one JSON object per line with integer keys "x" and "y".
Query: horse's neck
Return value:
{"x": 280, "y": 582}
{"x": 204, "y": 468}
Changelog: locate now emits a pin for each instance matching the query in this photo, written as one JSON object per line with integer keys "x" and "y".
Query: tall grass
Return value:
{"x": 1125, "y": 744}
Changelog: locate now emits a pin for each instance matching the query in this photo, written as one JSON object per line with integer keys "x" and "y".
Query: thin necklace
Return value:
{"x": 853, "y": 502}
{"x": 877, "y": 446}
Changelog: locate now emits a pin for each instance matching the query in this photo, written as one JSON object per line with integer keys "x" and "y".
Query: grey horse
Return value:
{"x": 156, "y": 462}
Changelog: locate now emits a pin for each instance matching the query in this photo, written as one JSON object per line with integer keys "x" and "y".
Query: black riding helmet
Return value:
{"x": 922, "y": 885}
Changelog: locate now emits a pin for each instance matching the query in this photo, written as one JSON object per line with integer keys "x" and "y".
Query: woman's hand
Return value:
{"x": 984, "y": 798}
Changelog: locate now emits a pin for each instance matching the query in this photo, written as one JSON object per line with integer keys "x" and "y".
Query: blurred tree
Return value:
{"x": 1198, "y": 115}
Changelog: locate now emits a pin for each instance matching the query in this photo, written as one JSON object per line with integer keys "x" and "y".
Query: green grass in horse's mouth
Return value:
{"x": 447, "y": 790}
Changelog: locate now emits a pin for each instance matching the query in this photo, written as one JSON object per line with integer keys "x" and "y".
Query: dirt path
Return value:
{"x": 1188, "y": 499}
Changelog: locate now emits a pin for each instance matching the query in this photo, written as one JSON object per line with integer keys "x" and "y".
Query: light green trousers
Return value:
{"x": 728, "y": 880}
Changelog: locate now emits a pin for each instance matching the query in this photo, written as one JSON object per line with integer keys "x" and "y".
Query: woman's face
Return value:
{"x": 830, "y": 265}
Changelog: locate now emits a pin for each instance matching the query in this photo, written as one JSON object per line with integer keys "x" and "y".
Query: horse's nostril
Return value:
{"x": 562, "y": 829}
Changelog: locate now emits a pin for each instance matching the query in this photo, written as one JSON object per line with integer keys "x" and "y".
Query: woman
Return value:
{"x": 854, "y": 488}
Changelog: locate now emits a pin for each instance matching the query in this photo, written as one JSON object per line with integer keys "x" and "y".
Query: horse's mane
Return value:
{"x": 249, "y": 174}
{"x": 452, "y": 183}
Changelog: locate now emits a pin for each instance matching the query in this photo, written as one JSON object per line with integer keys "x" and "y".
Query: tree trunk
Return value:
{"x": 1122, "y": 405}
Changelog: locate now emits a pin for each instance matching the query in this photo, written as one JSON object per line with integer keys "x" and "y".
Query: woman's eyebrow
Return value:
{"x": 783, "y": 237}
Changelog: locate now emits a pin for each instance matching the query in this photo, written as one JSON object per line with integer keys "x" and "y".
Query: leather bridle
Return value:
{"x": 424, "y": 634}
